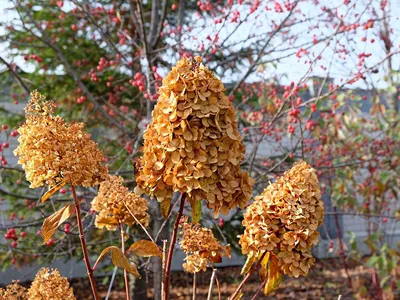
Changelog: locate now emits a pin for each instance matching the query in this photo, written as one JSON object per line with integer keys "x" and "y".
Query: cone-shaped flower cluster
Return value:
{"x": 201, "y": 247}
{"x": 14, "y": 291}
{"x": 110, "y": 204}
{"x": 284, "y": 220}
{"x": 192, "y": 144}
{"x": 51, "y": 150}
{"x": 50, "y": 285}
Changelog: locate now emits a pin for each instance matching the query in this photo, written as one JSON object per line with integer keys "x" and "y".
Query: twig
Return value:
{"x": 251, "y": 272}
{"x": 171, "y": 248}
{"x": 211, "y": 284}
{"x": 111, "y": 282}
{"x": 141, "y": 225}
{"x": 164, "y": 251}
{"x": 126, "y": 279}
{"x": 83, "y": 245}
{"x": 194, "y": 286}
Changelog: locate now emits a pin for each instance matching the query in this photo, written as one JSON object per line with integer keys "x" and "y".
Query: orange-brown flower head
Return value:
{"x": 51, "y": 150}
{"x": 284, "y": 220}
{"x": 201, "y": 247}
{"x": 192, "y": 144}
{"x": 110, "y": 204}
{"x": 50, "y": 285}
{"x": 14, "y": 291}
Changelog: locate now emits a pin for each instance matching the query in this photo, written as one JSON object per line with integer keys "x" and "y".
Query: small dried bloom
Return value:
{"x": 284, "y": 220}
{"x": 192, "y": 144}
{"x": 14, "y": 291}
{"x": 201, "y": 247}
{"x": 50, "y": 285}
{"x": 51, "y": 150}
{"x": 109, "y": 203}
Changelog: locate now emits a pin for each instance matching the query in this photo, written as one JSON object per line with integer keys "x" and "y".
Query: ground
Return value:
{"x": 327, "y": 280}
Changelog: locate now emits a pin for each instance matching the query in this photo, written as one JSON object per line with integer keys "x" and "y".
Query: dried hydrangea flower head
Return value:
{"x": 284, "y": 220}
{"x": 192, "y": 144}
{"x": 109, "y": 203}
{"x": 201, "y": 247}
{"x": 51, "y": 150}
{"x": 50, "y": 285}
{"x": 14, "y": 291}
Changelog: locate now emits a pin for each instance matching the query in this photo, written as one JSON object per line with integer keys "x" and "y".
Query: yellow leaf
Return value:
{"x": 145, "y": 248}
{"x": 274, "y": 275}
{"x": 263, "y": 272}
{"x": 165, "y": 207}
{"x": 119, "y": 260}
{"x": 251, "y": 258}
{"x": 106, "y": 221}
{"x": 52, "y": 222}
{"x": 196, "y": 210}
{"x": 53, "y": 190}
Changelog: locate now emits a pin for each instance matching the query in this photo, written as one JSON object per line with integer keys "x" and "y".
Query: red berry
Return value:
{"x": 13, "y": 261}
{"x": 384, "y": 220}
{"x": 221, "y": 222}
{"x": 12, "y": 217}
{"x": 50, "y": 242}
{"x": 74, "y": 27}
{"x": 6, "y": 145}
{"x": 23, "y": 234}
{"x": 63, "y": 191}
{"x": 14, "y": 244}
{"x": 5, "y": 126}
{"x": 173, "y": 6}
{"x": 14, "y": 133}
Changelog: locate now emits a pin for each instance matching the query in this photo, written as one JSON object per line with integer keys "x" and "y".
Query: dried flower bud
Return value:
{"x": 200, "y": 247}
{"x": 51, "y": 150}
{"x": 284, "y": 220}
{"x": 192, "y": 144}
{"x": 50, "y": 285}
{"x": 109, "y": 203}
{"x": 14, "y": 291}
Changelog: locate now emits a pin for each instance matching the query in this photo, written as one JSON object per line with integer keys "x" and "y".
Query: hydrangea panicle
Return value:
{"x": 109, "y": 203}
{"x": 50, "y": 285}
{"x": 14, "y": 291}
{"x": 284, "y": 220}
{"x": 201, "y": 247}
{"x": 51, "y": 150}
{"x": 192, "y": 145}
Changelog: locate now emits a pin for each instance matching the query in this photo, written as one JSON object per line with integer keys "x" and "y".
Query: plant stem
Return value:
{"x": 83, "y": 245}
{"x": 126, "y": 279}
{"x": 211, "y": 284}
{"x": 253, "y": 269}
{"x": 194, "y": 287}
{"x": 171, "y": 248}
{"x": 164, "y": 251}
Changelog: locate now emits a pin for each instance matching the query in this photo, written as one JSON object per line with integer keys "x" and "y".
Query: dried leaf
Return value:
{"x": 263, "y": 272}
{"x": 196, "y": 210}
{"x": 106, "y": 221}
{"x": 52, "y": 222}
{"x": 145, "y": 248}
{"x": 53, "y": 190}
{"x": 119, "y": 260}
{"x": 251, "y": 258}
{"x": 274, "y": 276}
{"x": 238, "y": 296}
{"x": 165, "y": 207}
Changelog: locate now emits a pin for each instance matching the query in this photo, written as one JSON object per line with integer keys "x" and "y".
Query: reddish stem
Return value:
{"x": 167, "y": 274}
{"x": 83, "y": 245}
{"x": 126, "y": 279}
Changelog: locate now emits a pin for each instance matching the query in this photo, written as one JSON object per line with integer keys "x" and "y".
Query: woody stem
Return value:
{"x": 165, "y": 292}
{"x": 126, "y": 279}
{"x": 83, "y": 245}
